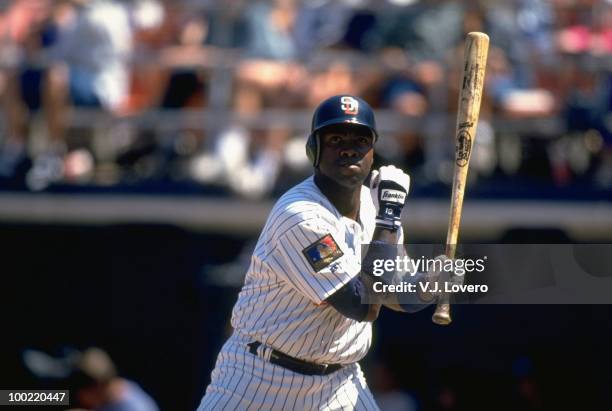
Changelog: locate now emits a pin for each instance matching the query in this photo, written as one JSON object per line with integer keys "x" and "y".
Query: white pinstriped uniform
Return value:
{"x": 282, "y": 305}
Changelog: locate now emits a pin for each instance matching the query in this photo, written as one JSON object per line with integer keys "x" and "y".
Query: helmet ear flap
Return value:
{"x": 313, "y": 149}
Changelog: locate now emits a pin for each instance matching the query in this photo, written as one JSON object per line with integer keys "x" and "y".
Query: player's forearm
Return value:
{"x": 385, "y": 235}
{"x": 417, "y": 299}
{"x": 348, "y": 301}
{"x": 411, "y": 302}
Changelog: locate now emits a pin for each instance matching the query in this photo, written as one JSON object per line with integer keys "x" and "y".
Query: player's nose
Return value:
{"x": 348, "y": 152}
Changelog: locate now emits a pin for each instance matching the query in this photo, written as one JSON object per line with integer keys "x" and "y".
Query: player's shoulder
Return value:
{"x": 303, "y": 202}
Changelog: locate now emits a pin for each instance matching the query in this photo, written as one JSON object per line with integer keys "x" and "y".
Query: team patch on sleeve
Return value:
{"x": 322, "y": 252}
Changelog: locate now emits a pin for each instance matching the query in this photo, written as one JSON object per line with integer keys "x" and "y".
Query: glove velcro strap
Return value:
{"x": 388, "y": 223}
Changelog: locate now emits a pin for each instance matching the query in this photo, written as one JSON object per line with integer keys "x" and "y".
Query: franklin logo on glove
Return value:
{"x": 394, "y": 196}
{"x": 389, "y": 187}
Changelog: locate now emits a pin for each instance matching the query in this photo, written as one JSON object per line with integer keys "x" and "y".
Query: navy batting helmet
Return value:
{"x": 342, "y": 109}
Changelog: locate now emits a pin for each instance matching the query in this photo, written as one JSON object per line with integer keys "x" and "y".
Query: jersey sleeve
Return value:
{"x": 314, "y": 259}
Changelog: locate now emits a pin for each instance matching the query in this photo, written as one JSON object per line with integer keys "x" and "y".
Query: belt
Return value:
{"x": 294, "y": 364}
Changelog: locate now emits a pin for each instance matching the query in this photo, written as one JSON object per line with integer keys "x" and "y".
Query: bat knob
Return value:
{"x": 442, "y": 315}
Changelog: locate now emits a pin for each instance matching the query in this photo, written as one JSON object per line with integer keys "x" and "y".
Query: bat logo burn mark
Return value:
{"x": 464, "y": 148}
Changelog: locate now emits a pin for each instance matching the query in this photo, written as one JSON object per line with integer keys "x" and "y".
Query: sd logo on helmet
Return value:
{"x": 338, "y": 110}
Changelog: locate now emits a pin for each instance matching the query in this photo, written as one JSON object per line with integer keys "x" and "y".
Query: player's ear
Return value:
{"x": 313, "y": 149}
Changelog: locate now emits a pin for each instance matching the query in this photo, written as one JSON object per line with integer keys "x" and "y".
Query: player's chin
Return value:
{"x": 351, "y": 177}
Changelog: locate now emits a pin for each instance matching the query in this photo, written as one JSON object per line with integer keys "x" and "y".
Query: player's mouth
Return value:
{"x": 350, "y": 164}
{"x": 350, "y": 167}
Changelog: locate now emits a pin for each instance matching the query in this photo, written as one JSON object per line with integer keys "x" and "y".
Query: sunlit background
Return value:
{"x": 143, "y": 142}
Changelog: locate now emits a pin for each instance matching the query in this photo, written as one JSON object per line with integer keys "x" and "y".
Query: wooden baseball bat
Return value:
{"x": 470, "y": 96}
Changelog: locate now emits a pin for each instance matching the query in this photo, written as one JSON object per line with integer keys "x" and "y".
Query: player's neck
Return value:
{"x": 345, "y": 199}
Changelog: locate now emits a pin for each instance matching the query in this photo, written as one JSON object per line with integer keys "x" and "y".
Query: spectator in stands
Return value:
{"x": 154, "y": 28}
{"x": 402, "y": 93}
{"x": 87, "y": 69}
{"x": 270, "y": 30}
{"x": 244, "y": 59}
{"x": 269, "y": 76}
{"x": 249, "y": 159}
{"x": 390, "y": 396}
{"x": 337, "y": 78}
{"x": 509, "y": 97}
{"x": 92, "y": 379}
{"x": 95, "y": 385}
{"x": 169, "y": 43}
{"x": 186, "y": 85}
{"x": 426, "y": 30}
{"x": 171, "y": 74}
{"x": 524, "y": 30}
{"x": 26, "y": 28}
{"x": 585, "y": 30}
{"x": 319, "y": 25}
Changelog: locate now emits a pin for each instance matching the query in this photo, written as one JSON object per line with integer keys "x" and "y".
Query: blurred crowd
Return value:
{"x": 221, "y": 93}
{"x": 91, "y": 378}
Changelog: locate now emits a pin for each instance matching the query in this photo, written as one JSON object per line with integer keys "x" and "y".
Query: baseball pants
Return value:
{"x": 243, "y": 381}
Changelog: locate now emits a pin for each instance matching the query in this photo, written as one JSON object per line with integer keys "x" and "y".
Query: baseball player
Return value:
{"x": 300, "y": 327}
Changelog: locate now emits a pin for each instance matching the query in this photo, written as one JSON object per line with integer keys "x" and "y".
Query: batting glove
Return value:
{"x": 389, "y": 187}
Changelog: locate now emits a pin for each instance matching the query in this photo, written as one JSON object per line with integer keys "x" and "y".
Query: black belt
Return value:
{"x": 293, "y": 364}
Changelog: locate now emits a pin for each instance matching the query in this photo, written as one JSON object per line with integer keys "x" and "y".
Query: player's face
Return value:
{"x": 346, "y": 154}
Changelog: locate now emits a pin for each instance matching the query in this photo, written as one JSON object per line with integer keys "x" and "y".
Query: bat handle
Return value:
{"x": 442, "y": 314}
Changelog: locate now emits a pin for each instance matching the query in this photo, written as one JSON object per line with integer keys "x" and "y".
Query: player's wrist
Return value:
{"x": 389, "y": 216}
{"x": 390, "y": 224}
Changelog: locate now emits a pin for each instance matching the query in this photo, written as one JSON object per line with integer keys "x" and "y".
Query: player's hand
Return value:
{"x": 389, "y": 187}
{"x": 438, "y": 276}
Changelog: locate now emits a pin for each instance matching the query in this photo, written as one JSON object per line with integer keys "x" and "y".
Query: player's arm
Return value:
{"x": 389, "y": 188}
{"x": 348, "y": 300}
{"x": 324, "y": 270}
{"x": 427, "y": 286}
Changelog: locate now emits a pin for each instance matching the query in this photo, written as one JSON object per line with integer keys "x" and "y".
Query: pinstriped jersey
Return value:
{"x": 306, "y": 251}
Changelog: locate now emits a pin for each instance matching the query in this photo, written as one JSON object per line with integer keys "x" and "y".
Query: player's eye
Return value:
{"x": 334, "y": 139}
{"x": 365, "y": 141}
